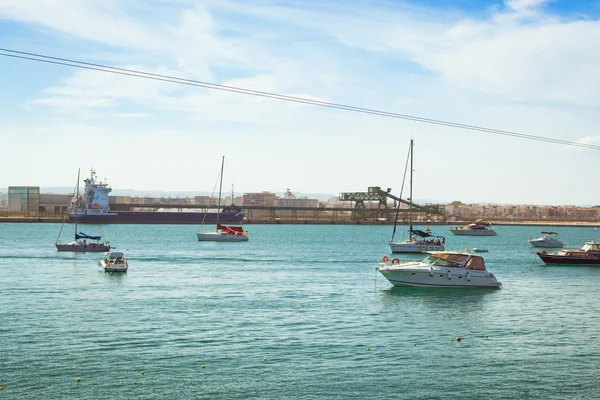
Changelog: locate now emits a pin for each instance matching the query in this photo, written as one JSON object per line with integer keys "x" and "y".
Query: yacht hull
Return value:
{"x": 546, "y": 244}
{"x": 220, "y": 237}
{"x": 551, "y": 259}
{"x": 468, "y": 232}
{"x": 414, "y": 247}
{"x": 454, "y": 279}
{"x": 83, "y": 248}
{"x": 110, "y": 267}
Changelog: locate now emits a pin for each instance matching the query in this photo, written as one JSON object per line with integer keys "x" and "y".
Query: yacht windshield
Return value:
{"x": 445, "y": 263}
{"x": 445, "y": 259}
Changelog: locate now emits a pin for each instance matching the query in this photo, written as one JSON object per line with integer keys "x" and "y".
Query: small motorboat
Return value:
{"x": 114, "y": 261}
{"x": 478, "y": 250}
{"x": 589, "y": 254}
{"x": 440, "y": 269}
{"x": 547, "y": 240}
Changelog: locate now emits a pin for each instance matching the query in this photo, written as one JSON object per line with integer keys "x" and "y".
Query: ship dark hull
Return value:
{"x": 151, "y": 217}
{"x": 569, "y": 260}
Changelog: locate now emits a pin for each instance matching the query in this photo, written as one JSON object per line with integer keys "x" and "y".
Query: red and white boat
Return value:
{"x": 224, "y": 233}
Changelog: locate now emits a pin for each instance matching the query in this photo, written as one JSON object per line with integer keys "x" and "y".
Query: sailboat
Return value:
{"x": 223, "y": 233}
{"x": 83, "y": 242}
{"x": 418, "y": 241}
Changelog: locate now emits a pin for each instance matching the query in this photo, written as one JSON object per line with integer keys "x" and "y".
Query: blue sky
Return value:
{"x": 529, "y": 66}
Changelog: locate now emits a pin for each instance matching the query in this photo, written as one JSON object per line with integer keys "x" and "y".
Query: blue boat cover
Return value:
{"x": 82, "y": 235}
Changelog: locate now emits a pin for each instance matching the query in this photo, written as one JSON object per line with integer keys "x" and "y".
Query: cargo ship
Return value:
{"x": 92, "y": 207}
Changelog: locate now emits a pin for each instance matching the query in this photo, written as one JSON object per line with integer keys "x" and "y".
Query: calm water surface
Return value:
{"x": 288, "y": 295}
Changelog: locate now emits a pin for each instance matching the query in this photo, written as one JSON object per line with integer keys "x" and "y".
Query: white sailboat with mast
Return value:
{"x": 418, "y": 241}
{"x": 223, "y": 233}
{"x": 83, "y": 242}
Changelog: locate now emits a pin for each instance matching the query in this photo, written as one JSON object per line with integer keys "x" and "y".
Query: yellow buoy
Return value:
{"x": 1, "y": 387}
{"x": 538, "y": 329}
{"x": 583, "y": 323}
{"x": 561, "y": 325}
{"x": 514, "y": 332}
{"x": 319, "y": 355}
{"x": 204, "y": 366}
{"x": 486, "y": 336}
{"x": 414, "y": 344}
{"x": 77, "y": 379}
{"x": 368, "y": 348}
{"x": 265, "y": 359}
{"x": 142, "y": 373}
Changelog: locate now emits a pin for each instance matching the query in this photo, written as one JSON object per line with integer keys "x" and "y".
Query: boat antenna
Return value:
{"x": 220, "y": 187}
{"x": 401, "y": 190}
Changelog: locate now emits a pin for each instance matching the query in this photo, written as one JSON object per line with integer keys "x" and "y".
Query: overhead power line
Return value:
{"x": 190, "y": 82}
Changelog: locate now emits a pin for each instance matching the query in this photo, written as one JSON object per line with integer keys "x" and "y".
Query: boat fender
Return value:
{"x": 395, "y": 261}
{"x": 431, "y": 271}
{"x": 468, "y": 276}
{"x": 588, "y": 255}
{"x": 385, "y": 259}
{"x": 449, "y": 275}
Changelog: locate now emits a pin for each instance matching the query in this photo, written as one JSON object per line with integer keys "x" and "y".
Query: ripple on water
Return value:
{"x": 288, "y": 295}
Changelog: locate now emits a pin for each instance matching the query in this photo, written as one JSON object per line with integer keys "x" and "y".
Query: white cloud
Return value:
{"x": 517, "y": 69}
{"x": 131, "y": 115}
{"x": 520, "y": 5}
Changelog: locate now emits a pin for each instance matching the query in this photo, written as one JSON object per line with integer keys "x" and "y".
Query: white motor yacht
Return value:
{"x": 440, "y": 269}
{"x": 547, "y": 240}
{"x": 114, "y": 261}
{"x": 479, "y": 228}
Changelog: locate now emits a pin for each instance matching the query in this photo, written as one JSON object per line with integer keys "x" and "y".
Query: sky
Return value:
{"x": 526, "y": 66}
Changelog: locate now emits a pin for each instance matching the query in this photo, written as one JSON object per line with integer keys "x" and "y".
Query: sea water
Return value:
{"x": 298, "y": 311}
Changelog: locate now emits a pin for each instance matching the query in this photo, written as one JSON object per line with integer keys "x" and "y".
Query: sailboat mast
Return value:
{"x": 77, "y": 201}
{"x": 411, "y": 191}
{"x": 220, "y": 187}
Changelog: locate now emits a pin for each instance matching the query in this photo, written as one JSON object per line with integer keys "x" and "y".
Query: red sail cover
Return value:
{"x": 230, "y": 229}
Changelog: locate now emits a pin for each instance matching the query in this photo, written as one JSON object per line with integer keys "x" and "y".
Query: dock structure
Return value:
{"x": 383, "y": 210}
